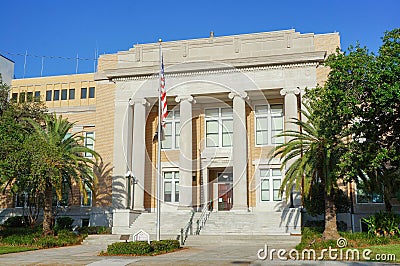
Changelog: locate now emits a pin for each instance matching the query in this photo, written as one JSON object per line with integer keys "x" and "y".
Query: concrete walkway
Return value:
{"x": 203, "y": 250}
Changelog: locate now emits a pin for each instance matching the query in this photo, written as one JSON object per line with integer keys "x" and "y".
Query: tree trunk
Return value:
{"x": 330, "y": 232}
{"x": 48, "y": 211}
{"x": 386, "y": 199}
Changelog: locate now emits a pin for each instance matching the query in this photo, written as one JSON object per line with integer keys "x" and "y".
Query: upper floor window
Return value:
{"x": 269, "y": 123}
{"x": 56, "y": 95}
{"x": 91, "y": 92}
{"x": 48, "y": 95}
{"x": 172, "y": 130}
{"x": 270, "y": 184}
{"x": 22, "y": 97}
{"x": 83, "y": 93}
{"x": 363, "y": 196}
{"x": 64, "y": 95}
{"x": 14, "y": 97}
{"x": 37, "y": 96}
{"x": 71, "y": 94}
{"x": 29, "y": 96}
{"x": 219, "y": 127}
{"x": 89, "y": 143}
{"x": 171, "y": 186}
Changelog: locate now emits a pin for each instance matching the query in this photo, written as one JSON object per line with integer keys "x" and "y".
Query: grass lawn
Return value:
{"x": 385, "y": 249}
{"x": 13, "y": 249}
{"x": 388, "y": 253}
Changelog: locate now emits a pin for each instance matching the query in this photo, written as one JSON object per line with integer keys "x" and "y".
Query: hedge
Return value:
{"x": 142, "y": 248}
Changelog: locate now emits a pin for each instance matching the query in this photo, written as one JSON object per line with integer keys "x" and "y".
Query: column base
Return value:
{"x": 140, "y": 210}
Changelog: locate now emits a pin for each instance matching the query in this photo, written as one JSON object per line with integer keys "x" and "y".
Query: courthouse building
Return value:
{"x": 227, "y": 98}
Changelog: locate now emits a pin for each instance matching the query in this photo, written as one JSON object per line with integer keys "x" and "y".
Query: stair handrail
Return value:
{"x": 205, "y": 213}
{"x": 187, "y": 229}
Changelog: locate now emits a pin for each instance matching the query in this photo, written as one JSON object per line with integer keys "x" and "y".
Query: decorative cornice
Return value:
{"x": 283, "y": 61}
{"x": 213, "y": 72}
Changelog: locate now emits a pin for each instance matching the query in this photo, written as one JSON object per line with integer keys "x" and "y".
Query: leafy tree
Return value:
{"x": 15, "y": 159}
{"x": 362, "y": 98}
{"x": 58, "y": 157}
{"x": 314, "y": 200}
{"x": 312, "y": 158}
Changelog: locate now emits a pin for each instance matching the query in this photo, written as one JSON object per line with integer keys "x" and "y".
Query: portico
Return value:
{"x": 226, "y": 106}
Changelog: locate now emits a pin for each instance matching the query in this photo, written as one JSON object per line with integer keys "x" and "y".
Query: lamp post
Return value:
{"x": 129, "y": 176}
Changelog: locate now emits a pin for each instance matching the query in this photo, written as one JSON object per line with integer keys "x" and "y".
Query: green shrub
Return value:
{"x": 16, "y": 221}
{"x": 33, "y": 237}
{"x": 129, "y": 248}
{"x": 383, "y": 224}
{"x": 63, "y": 223}
{"x": 94, "y": 230}
{"x": 165, "y": 245}
{"x": 142, "y": 248}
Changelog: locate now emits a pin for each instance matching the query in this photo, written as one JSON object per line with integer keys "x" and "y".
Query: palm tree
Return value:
{"x": 311, "y": 158}
{"x": 58, "y": 157}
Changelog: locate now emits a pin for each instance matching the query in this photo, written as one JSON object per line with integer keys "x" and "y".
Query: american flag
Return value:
{"x": 164, "y": 111}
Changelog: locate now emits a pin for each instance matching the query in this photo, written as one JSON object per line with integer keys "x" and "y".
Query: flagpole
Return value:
{"x": 159, "y": 151}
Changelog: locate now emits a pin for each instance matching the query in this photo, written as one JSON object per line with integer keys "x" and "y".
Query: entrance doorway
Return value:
{"x": 225, "y": 191}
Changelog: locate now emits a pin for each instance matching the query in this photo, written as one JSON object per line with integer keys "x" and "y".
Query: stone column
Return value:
{"x": 185, "y": 148}
{"x": 122, "y": 152}
{"x": 290, "y": 108}
{"x": 239, "y": 151}
{"x": 290, "y": 113}
{"x": 139, "y": 151}
{"x": 205, "y": 186}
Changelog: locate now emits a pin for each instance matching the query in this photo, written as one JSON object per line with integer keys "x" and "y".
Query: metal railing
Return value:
{"x": 205, "y": 213}
{"x": 188, "y": 229}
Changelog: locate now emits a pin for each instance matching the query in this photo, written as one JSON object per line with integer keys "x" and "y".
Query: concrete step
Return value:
{"x": 245, "y": 223}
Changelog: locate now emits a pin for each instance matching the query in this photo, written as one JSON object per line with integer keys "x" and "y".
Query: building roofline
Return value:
{"x": 7, "y": 58}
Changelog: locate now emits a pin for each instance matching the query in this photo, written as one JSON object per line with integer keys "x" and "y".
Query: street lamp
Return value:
{"x": 129, "y": 176}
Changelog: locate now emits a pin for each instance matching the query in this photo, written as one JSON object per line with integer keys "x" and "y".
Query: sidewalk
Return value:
{"x": 206, "y": 250}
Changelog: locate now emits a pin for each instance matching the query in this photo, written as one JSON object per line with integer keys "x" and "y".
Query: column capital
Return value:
{"x": 241, "y": 94}
{"x": 181, "y": 98}
{"x": 142, "y": 101}
{"x": 287, "y": 91}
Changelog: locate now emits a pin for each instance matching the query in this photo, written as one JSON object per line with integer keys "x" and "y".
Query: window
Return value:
{"x": 21, "y": 200}
{"x": 64, "y": 195}
{"x": 48, "y": 95}
{"x": 64, "y": 93}
{"x": 29, "y": 96}
{"x": 171, "y": 186}
{"x": 88, "y": 198}
{"x": 89, "y": 143}
{"x": 171, "y": 131}
{"x": 14, "y": 97}
{"x": 56, "y": 95}
{"x": 363, "y": 196}
{"x": 37, "y": 96}
{"x": 219, "y": 127}
{"x": 270, "y": 184}
{"x": 91, "y": 92}
{"x": 269, "y": 123}
{"x": 71, "y": 94}
{"x": 83, "y": 93}
{"x": 22, "y": 97}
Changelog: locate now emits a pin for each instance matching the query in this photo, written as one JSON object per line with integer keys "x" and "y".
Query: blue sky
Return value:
{"x": 67, "y": 28}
